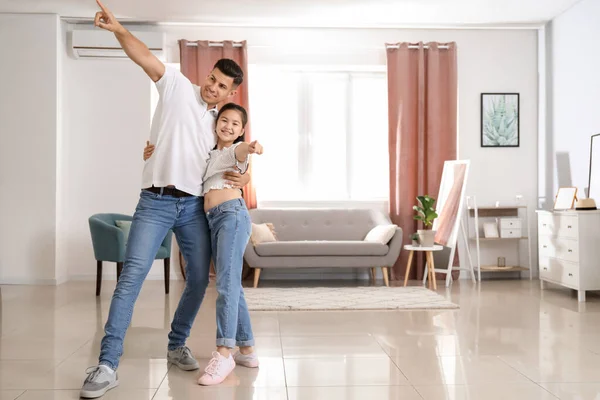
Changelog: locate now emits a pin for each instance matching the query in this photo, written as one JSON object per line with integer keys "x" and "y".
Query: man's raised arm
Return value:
{"x": 135, "y": 49}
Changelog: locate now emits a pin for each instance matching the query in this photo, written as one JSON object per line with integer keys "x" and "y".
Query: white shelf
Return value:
{"x": 476, "y": 213}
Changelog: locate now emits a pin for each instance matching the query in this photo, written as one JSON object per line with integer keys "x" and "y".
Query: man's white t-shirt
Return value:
{"x": 183, "y": 132}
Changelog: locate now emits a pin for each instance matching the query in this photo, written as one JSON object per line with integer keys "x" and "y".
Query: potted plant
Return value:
{"x": 415, "y": 239}
{"x": 426, "y": 214}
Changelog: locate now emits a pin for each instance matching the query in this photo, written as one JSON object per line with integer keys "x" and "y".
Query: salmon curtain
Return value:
{"x": 422, "y": 101}
{"x": 198, "y": 59}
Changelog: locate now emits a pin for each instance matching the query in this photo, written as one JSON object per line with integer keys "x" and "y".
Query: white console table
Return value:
{"x": 569, "y": 249}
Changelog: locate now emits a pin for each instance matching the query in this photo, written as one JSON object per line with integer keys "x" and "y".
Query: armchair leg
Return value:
{"x": 256, "y": 276}
{"x": 98, "y": 277}
{"x": 167, "y": 274}
{"x": 119, "y": 270}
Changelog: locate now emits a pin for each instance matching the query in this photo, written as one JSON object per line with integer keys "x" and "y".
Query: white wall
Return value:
{"x": 28, "y": 131}
{"x": 573, "y": 88}
{"x": 504, "y": 62}
{"x": 109, "y": 112}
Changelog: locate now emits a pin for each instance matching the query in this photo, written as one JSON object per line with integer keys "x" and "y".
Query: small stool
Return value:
{"x": 430, "y": 263}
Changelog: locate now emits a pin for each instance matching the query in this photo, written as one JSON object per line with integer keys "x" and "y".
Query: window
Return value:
{"x": 325, "y": 134}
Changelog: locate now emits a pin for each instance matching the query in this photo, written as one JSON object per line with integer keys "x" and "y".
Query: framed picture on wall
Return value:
{"x": 500, "y": 124}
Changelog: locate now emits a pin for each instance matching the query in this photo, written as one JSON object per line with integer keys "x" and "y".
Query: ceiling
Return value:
{"x": 322, "y": 13}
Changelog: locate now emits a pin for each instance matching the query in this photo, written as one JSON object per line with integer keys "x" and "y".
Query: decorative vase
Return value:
{"x": 426, "y": 237}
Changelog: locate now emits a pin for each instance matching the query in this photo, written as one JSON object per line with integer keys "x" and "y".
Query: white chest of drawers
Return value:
{"x": 569, "y": 249}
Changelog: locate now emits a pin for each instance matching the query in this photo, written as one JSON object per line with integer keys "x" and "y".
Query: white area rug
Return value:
{"x": 350, "y": 298}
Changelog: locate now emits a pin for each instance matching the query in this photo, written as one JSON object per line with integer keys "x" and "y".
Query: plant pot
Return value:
{"x": 415, "y": 243}
{"x": 426, "y": 238}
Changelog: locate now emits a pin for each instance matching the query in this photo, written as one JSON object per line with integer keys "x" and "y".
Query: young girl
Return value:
{"x": 230, "y": 228}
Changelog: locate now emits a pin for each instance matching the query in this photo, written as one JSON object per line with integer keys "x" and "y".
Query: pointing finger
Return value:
{"x": 102, "y": 7}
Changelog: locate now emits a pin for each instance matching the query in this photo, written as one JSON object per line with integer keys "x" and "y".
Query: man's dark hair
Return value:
{"x": 231, "y": 69}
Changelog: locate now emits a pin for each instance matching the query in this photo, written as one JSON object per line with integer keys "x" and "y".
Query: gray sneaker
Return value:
{"x": 182, "y": 357}
{"x": 99, "y": 381}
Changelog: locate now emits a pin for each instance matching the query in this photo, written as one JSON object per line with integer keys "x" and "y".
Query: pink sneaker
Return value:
{"x": 248, "y": 360}
{"x": 218, "y": 369}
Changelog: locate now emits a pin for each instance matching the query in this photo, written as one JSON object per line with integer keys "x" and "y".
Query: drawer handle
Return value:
{"x": 569, "y": 226}
{"x": 545, "y": 269}
{"x": 570, "y": 274}
{"x": 545, "y": 246}
{"x": 570, "y": 251}
{"x": 544, "y": 225}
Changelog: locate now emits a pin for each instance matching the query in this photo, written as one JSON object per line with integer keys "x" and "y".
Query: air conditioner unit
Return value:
{"x": 98, "y": 43}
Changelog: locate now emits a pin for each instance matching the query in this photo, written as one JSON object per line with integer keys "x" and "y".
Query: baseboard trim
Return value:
{"x": 29, "y": 281}
{"x": 113, "y": 277}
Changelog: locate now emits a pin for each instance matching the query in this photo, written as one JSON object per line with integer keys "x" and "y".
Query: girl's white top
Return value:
{"x": 220, "y": 161}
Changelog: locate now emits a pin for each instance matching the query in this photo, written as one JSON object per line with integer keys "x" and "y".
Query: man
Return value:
{"x": 183, "y": 131}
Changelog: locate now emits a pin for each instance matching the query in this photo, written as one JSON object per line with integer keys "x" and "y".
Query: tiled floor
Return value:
{"x": 509, "y": 340}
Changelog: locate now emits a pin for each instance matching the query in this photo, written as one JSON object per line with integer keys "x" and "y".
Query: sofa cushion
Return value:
{"x": 321, "y": 248}
{"x": 262, "y": 233}
{"x": 381, "y": 234}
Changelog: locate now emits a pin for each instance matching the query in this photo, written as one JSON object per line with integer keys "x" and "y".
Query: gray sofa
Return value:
{"x": 318, "y": 238}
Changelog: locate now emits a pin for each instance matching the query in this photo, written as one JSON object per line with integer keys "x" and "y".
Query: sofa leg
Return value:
{"x": 256, "y": 276}
{"x": 98, "y": 277}
{"x": 119, "y": 270}
{"x": 386, "y": 278}
{"x": 167, "y": 274}
{"x": 373, "y": 274}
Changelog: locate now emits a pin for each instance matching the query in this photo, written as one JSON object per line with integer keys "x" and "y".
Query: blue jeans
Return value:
{"x": 154, "y": 216}
{"x": 230, "y": 229}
